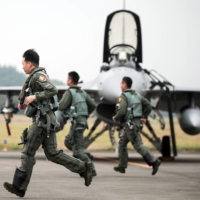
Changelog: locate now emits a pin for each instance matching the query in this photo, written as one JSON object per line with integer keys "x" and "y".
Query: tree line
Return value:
{"x": 9, "y": 76}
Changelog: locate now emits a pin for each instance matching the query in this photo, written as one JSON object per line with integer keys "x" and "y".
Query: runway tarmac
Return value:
{"x": 175, "y": 180}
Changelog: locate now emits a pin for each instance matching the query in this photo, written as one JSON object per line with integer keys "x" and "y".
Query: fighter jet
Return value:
{"x": 122, "y": 56}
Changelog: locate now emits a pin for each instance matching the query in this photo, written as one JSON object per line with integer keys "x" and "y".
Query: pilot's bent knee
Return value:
{"x": 68, "y": 144}
{"x": 28, "y": 160}
{"x": 51, "y": 152}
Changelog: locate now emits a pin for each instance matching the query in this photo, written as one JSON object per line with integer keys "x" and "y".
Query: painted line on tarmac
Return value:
{"x": 139, "y": 165}
{"x": 130, "y": 163}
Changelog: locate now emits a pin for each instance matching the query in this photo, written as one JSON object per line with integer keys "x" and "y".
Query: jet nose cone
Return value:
{"x": 109, "y": 86}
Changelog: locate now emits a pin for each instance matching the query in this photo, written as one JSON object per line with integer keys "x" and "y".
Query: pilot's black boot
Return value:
{"x": 12, "y": 189}
{"x": 94, "y": 173}
{"x": 120, "y": 169}
{"x": 16, "y": 186}
{"x": 87, "y": 174}
{"x": 155, "y": 166}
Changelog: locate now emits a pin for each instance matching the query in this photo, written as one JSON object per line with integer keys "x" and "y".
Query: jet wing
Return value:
{"x": 89, "y": 87}
{"x": 14, "y": 90}
{"x": 180, "y": 97}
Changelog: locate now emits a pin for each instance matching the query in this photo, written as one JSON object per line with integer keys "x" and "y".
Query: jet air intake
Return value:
{"x": 189, "y": 120}
{"x": 105, "y": 112}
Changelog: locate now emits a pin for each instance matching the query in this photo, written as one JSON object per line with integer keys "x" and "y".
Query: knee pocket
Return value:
{"x": 81, "y": 156}
{"x": 55, "y": 157}
{"x": 27, "y": 161}
{"x": 68, "y": 144}
{"x": 51, "y": 152}
{"x": 140, "y": 149}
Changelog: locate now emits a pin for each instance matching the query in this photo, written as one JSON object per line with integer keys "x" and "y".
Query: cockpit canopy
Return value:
{"x": 122, "y": 38}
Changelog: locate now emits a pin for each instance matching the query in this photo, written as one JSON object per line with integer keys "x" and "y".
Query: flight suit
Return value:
{"x": 43, "y": 88}
{"x": 132, "y": 126}
{"x": 74, "y": 139}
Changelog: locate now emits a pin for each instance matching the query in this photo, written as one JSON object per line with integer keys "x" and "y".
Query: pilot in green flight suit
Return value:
{"x": 132, "y": 110}
{"x": 76, "y": 106}
{"x": 39, "y": 99}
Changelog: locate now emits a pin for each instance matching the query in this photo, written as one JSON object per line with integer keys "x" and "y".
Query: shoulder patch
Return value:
{"x": 42, "y": 78}
{"x": 65, "y": 93}
{"x": 119, "y": 99}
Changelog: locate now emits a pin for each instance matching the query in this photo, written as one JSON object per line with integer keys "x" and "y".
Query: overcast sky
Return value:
{"x": 68, "y": 35}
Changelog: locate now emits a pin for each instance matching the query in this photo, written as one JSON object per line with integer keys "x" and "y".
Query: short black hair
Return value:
{"x": 128, "y": 81}
{"x": 32, "y": 56}
{"x": 74, "y": 76}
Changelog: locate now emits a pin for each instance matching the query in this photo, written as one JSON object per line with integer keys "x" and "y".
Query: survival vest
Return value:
{"x": 134, "y": 108}
{"x": 41, "y": 108}
{"x": 79, "y": 105}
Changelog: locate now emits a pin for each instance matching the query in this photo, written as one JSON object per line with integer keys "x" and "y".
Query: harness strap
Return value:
{"x": 47, "y": 126}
